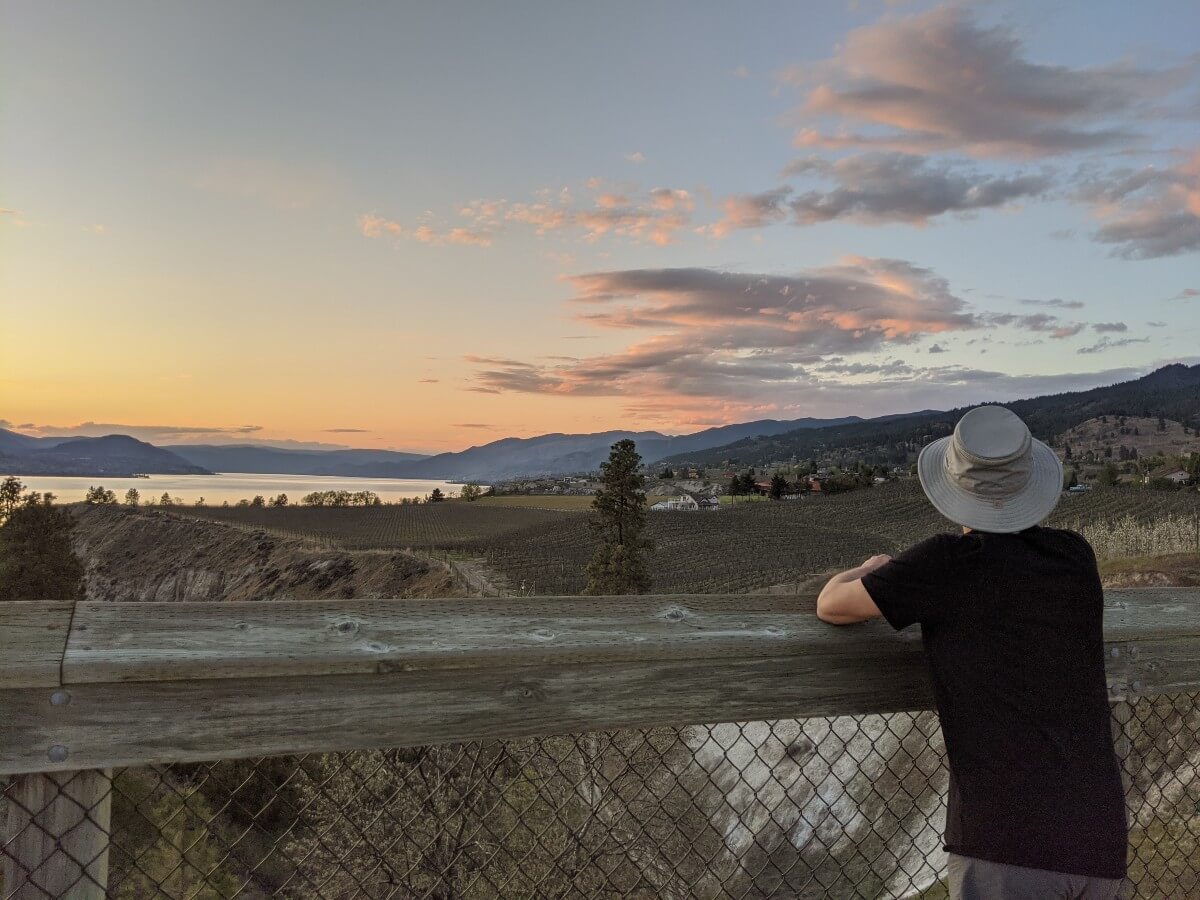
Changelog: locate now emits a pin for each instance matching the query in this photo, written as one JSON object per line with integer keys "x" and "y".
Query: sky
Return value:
{"x": 424, "y": 226}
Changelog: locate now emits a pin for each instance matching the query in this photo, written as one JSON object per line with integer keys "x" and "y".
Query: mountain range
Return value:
{"x": 114, "y": 455}
{"x": 1172, "y": 391}
{"x": 506, "y": 458}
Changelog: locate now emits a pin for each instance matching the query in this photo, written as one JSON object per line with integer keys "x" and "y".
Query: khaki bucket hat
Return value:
{"x": 991, "y": 474}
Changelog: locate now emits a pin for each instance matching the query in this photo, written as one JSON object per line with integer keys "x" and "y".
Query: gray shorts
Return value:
{"x": 979, "y": 879}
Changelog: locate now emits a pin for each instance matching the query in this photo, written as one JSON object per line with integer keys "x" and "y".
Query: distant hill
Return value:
{"x": 504, "y": 458}
{"x": 112, "y": 455}
{"x": 562, "y": 453}
{"x": 1172, "y": 391}
{"x": 1132, "y": 432}
{"x": 265, "y": 460}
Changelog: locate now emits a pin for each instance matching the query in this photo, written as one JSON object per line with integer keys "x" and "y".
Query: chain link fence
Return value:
{"x": 823, "y": 807}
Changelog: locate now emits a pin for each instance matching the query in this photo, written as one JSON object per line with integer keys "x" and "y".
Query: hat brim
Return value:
{"x": 1015, "y": 513}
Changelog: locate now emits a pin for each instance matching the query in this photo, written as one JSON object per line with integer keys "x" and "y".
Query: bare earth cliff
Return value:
{"x": 139, "y": 555}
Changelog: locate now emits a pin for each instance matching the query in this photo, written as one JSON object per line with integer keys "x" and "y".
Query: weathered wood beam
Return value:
{"x": 33, "y": 637}
{"x": 187, "y": 682}
{"x": 168, "y": 641}
{"x": 112, "y": 642}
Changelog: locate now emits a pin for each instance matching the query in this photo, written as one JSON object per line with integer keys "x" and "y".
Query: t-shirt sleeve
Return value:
{"x": 912, "y": 587}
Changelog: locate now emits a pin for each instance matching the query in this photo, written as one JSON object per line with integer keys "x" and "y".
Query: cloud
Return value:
{"x": 472, "y": 425}
{"x": 940, "y": 81}
{"x": 1148, "y": 213}
{"x": 936, "y": 348}
{"x": 741, "y": 72}
{"x": 12, "y": 216}
{"x": 428, "y": 380}
{"x": 347, "y": 430}
{"x": 1157, "y": 324}
{"x": 637, "y": 157}
{"x": 1056, "y": 302}
{"x": 751, "y": 211}
{"x": 723, "y": 334}
{"x": 655, "y": 217}
{"x": 1039, "y": 322}
{"x": 1107, "y": 343}
{"x": 1102, "y": 327}
{"x": 374, "y": 226}
{"x": 1187, "y": 294}
{"x": 897, "y": 187}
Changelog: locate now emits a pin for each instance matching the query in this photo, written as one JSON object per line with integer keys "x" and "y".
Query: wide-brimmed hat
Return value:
{"x": 991, "y": 474}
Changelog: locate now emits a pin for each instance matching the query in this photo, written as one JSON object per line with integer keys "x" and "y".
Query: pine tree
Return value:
{"x": 37, "y": 561}
{"x": 779, "y": 486}
{"x": 618, "y": 566}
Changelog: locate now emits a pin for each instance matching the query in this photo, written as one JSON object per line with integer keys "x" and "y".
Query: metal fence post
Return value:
{"x": 56, "y": 834}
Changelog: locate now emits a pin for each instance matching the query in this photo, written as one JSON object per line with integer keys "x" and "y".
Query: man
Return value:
{"x": 1011, "y": 621}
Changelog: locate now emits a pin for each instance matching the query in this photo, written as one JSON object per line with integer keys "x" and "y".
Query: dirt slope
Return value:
{"x": 1172, "y": 570}
{"x": 1095, "y": 435}
{"x": 154, "y": 555}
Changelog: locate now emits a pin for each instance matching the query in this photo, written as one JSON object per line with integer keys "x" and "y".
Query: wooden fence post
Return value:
{"x": 55, "y": 837}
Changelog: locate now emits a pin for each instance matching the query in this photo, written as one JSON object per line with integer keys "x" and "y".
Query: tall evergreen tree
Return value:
{"x": 779, "y": 486}
{"x": 619, "y": 566}
{"x": 37, "y": 561}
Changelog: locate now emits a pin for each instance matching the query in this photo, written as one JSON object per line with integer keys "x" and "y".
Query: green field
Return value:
{"x": 747, "y": 547}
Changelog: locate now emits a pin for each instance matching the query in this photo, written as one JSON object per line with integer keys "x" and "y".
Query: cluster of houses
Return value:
{"x": 563, "y": 485}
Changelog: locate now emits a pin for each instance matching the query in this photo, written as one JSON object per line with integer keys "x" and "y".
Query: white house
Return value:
{"x": 1175, "y": 476}
{"x": 682, "y": 502}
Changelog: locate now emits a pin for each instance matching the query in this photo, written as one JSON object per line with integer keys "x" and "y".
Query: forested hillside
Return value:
{"x": 1172, "y": 391}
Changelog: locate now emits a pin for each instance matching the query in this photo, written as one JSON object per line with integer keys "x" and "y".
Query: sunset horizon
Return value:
{"x": 428, "y": 242}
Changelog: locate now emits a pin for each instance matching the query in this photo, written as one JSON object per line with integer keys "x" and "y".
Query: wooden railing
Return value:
{"x": 90, "y": 686}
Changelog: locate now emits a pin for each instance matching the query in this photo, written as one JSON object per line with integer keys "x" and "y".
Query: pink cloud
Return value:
{"x": 722, "y": 334}
{"x": 373, "y": 226}
{"x": 940, "y": 81}
{"x": 1150, "y": 212}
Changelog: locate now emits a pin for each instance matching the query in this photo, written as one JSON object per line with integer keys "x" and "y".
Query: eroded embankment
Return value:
{"x": 140, "y": 555}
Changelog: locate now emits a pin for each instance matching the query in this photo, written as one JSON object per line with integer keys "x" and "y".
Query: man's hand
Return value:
{"x": 844, "y": 600}
{"x": 872, "y": 563}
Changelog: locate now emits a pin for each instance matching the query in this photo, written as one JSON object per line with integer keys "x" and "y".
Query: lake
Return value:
{"x": 232, "y": 487}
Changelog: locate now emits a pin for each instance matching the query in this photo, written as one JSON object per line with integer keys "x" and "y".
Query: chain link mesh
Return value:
{"x": 849, "y": 806}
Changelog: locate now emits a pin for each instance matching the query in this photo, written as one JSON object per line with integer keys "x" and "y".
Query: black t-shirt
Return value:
{"x": 1013, "y": 629}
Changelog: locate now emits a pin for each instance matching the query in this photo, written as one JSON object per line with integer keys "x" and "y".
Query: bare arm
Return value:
{"x": 844, "y": 600}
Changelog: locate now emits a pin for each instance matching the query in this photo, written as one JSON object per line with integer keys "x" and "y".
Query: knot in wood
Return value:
{"x": 525, "y": 690}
